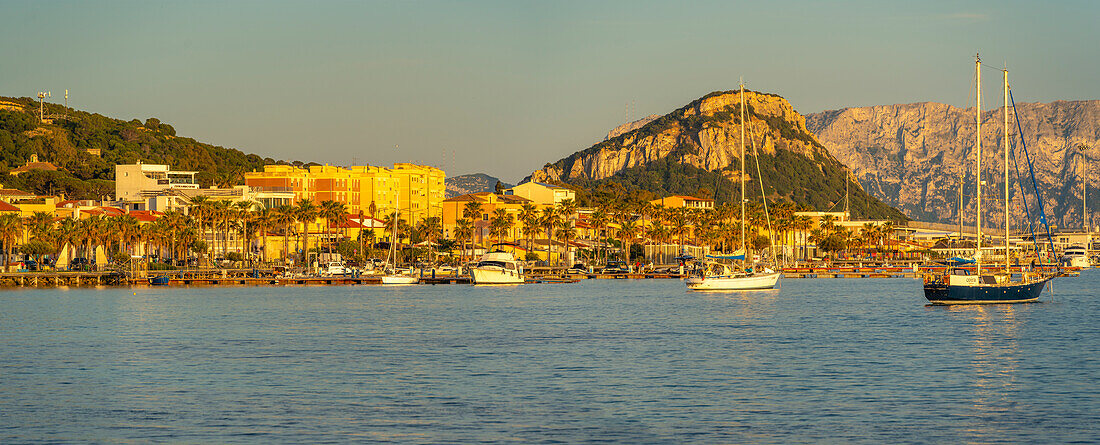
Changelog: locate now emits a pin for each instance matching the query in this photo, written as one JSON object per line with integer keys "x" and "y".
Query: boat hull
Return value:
{"x": 939, "y": 293}
{"x": 399, "y": 279}
{"x": 160, "y": 280}
{"x": 483, "y": 275}
{"x": 752, "y": 282}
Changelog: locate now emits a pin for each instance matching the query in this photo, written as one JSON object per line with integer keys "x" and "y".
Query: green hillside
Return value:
{"x": 66, "y": 143}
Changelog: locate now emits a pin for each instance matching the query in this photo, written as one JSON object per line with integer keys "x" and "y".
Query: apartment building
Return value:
{"x": 418, "y": 189}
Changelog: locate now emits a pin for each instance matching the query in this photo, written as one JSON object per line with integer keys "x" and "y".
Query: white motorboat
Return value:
{"x": 1076, "y": 256}
{"x": 718, "y": 276}
{"x": 498, "y": 268}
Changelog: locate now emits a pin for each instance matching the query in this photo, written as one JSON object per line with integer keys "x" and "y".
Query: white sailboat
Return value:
{"x": 719, "y": 276}
{"x": 392, "y": 275}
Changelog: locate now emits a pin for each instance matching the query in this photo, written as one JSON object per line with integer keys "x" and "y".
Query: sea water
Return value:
{"x": 627, "y": 361}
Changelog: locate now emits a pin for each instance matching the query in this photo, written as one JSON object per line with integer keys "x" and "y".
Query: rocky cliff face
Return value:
{"x": 912, "y": 156}
{"x": 706, "y": 135}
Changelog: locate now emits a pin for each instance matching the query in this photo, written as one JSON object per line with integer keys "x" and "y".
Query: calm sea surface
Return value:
{"x": 644, "y": 361}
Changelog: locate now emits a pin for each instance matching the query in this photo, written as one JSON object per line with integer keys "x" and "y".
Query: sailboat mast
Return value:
{"x": 742, "y": 173}
{"x": 1008, "y": 256}
{"x": 978, "y": 150}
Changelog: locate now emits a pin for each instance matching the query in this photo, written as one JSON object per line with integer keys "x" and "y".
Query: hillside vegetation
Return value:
{"x": 66, "y": 143}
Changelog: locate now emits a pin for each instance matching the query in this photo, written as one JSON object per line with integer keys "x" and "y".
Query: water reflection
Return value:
{"x": 994, "y": 361}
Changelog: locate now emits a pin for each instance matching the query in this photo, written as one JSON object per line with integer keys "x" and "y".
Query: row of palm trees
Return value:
{"x": 632, "y": 221}
{"x": 214, "y": 229}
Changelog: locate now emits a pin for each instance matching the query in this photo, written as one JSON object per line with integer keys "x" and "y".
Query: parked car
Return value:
{"x": 81, "y": 264}
{"x": 577, "y": 269}
{"x": 31, "y": 265}
{"x": 616, "y": 268}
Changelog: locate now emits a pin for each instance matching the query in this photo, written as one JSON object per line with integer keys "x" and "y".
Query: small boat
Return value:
{"x": 160, "y": 280}
{"x": 396, "y": 278}
{"x": 719, "y": 276}
{"x": 498, "y": 267}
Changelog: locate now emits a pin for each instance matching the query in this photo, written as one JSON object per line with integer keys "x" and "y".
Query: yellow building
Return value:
{"x": 690, "y": 202}
{"x": 418, "y": 189}
{"x": 454, "y": 210}
{"x": 543, "y": 194}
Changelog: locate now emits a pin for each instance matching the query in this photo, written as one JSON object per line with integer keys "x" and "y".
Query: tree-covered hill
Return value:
{"x": 68, "y": 142}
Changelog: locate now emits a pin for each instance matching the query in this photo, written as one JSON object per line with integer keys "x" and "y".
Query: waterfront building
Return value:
{"x": 690, "y": 202}
{"x": 542, "y": 194}
{"x": 369, "y": 190}
{"x": 135, "y": 182}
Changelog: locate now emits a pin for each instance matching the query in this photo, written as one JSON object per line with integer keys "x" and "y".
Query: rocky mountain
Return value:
{"x": 631, "y": 126}
{"x": 696, "y": 149}
{"x": 472, "y": 183}
{"x": 912, "y": 156}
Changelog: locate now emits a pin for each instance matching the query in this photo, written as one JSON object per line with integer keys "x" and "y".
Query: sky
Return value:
{"x": 506, "y": 87}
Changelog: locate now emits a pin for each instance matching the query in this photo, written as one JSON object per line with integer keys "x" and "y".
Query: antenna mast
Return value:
{"x": 741, "y": 83}
{"x": 1008, "y": 255}
{"x": 978, "y": 150}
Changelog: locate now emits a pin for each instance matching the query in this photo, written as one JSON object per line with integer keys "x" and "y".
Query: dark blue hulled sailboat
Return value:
{"x": 958, "y": 285}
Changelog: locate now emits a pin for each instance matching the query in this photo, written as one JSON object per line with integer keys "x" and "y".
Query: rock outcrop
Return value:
{"x": 706, "y": 135}
{"x": 912, "y": 156}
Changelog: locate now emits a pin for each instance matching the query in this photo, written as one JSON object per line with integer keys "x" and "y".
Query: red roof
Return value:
{"x": 352, "y": 222}
{"x": 690, "y": 198}
{"x": 5, "y": 207}
{"x": 34, "y": 166}
{"x": 145, "y": 215}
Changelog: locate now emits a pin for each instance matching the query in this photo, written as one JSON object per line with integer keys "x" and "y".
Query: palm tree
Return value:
{"x": 332, "y": 211}
{"x": 463, "y": 232}
{"x": 472, "y": 211}
{"x": 306, "y": 212}
{"x": 500, "y": 224}
{"x": 528, "y": 215}
{"x": 566, "y": 233}
{"x": 803, "y": 224}
{"x": 11, "y": 229}
{"x": 548, "y": 221}
{"x": 598, "y": 219}
{"x": 286, "y": 216}
{"x": 627, "y": 232}
{"x": 679, "y": 219}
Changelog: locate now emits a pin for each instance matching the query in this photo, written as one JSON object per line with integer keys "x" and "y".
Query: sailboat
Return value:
{"x": 392, "y": 275}
{"x": 957, "y": 285}
{"x": 720, "y": 276}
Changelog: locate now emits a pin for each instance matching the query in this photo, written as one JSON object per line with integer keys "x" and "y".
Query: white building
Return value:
{"x": 138, "y": 181}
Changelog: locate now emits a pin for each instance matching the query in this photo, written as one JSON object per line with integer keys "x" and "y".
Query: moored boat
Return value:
{"x": 959, "y": 286}
{"x": 498, "y": 267}
{"x": 718, "y": 276}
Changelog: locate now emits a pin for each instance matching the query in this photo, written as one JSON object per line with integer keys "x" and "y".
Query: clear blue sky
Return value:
{"x": 505, "y": 87}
